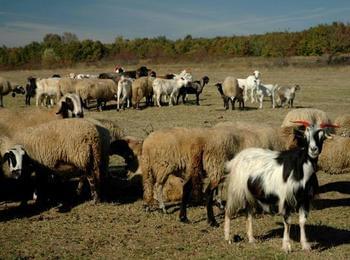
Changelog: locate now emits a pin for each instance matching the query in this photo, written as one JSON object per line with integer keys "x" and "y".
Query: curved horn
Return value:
{"x": 324, "y": 125}
{"x": 303, "y": 122}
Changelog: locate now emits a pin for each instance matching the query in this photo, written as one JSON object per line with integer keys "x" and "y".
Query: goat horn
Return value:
{"x": 304, "y": 123}
{"x": 324, "y": 125}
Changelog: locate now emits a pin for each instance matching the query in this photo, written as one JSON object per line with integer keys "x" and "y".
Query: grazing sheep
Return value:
{"x": 286, "y": 94}
{"x": 233, "y": 92}
{"x": 124, "y": 91}
{"x": 142, "y": 87}
{"x": 66, "y": 85}
{"x": 168, "y": 87}
{"x": 344, "y": 122}
{"x": 6, "y": 87}
{"x": 250, "y": 83}
{"x": 276, "y": 182}
{"x": 335, "y": 157}
{"x": 194, "y": 87}
{"x": 266, "y": 90}
{"x": 221, "y": 92}
{"x": 62, "y": 146}
{"x": 101, "y": 90}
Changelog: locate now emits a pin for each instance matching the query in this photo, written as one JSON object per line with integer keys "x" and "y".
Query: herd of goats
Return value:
{"x": 250, "y": 166}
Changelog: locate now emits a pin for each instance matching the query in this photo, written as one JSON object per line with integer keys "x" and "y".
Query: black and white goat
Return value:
{"x": 194, "y": 87}
{"x": 277, "y": 182}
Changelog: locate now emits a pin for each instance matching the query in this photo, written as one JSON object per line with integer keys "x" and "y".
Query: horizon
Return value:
{"x": 25, "y": 22}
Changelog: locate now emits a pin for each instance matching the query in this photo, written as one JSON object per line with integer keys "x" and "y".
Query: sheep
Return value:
{"x": 46, "y": 88}
{"x": 286, "y": 95}
{"x": 14, "y": 120}
{"x": 313, "y": 115}
{"x": 78, "y": 146}
{"x": 142, "y": 87}
{"x": 335, "y": 157}
{"x": 168, "y": 87}
{"x": 194, "y": 155}
{"x": 276, "y": 181}
{"x": 266, "y": 90}
{"x": 344, "y": 122}
{"x": 195, "y": 87}
{"x": 86, "y": 76}
{"x": 221, "y": 92}
{"x": 250, "y": 83}
{"x": 6, "y": 87}
{"x": 231, "y": 90}
{"x": 124, "y": 91}
{"x": 99, "y": 89}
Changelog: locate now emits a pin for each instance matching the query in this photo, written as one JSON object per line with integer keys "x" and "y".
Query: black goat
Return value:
{"x": 194, "y": 87}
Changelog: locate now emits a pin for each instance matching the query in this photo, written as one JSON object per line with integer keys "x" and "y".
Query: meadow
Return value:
{"x": 121, "y": 229}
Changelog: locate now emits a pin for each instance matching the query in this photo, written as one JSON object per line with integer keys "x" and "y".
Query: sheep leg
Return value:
{"x": 158, "y": 100}
{"x": 159, "y": 192}
{"x": 210, "y": 212}
{"x": 233, "y": 102}
{"x": 227, "y": 228}
{"x": 94, "y": 189}
{"x": 302, "y": 220}
{"x": 286, "y": 246}
{"x": 197, "y": 99}
{"x": 185, "y": 199}
{"x": 1, "y": 101}
{"x": 251, "y": 238}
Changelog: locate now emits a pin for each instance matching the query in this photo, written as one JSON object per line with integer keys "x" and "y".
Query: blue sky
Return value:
{"x": 24, "y": 21}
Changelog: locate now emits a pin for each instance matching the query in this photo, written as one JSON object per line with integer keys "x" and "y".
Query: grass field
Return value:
{"x": 121, "y": 229}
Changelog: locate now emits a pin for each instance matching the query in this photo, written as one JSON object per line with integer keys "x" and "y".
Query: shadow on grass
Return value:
{"x": 325, "y": 237}
{"x": 340, "y": 186}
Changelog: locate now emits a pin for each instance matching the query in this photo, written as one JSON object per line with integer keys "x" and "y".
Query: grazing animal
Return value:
{"x": 30, "y": 90}
{"x": 278, "y": 182}
{"x": 142, "y": 87}
{"x": 231, "y": 91}
{"x": 194, "y": 87}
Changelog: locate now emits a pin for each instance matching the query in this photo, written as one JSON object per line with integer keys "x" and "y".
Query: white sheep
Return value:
{"x": 250, "y": 84}
{"x": 168, "y": 87}
{"x": 142, "y": 87}
{"x": 266, "y": 90}
{"x": 124, "y": 92}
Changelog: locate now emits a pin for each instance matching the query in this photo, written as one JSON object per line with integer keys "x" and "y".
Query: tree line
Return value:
{"x": 67, "y": 50}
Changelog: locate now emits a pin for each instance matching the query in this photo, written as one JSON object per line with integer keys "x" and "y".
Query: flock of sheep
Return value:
{"x": 133, "y": 86}
{"x": 248, "y": 165}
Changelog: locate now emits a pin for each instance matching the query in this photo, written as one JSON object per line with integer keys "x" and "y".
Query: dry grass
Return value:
{"x": 121, "y": 229}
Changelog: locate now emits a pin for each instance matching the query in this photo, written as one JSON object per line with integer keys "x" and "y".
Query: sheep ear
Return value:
{"x": 5, "y": 158}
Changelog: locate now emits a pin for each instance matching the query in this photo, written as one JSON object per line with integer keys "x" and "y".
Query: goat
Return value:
{"x": 250, "y": 83}
{"x": 266, "y": 90}
{"x": 276, "y": 182}
{"x": 124, "y": 91}
{"x": 286, "y": 95}
{"x": 195, "y": 87}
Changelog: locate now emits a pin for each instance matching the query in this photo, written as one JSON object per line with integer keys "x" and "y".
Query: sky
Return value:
{"x": 24, "y": 21}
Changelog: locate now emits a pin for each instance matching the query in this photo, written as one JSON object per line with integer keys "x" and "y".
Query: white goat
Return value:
{"x": 266, "y": 90}
{"x": 250, "y": 83}
{"x": 124, "y": 91}
{"x": 168, "y": 87}
{"x": 286, "y": 95}
{"x": 278, "y": 182}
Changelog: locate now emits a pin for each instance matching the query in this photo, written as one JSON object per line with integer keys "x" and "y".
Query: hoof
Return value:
{"x": 184, "y": 220}
{"x": 214, "y": 224}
